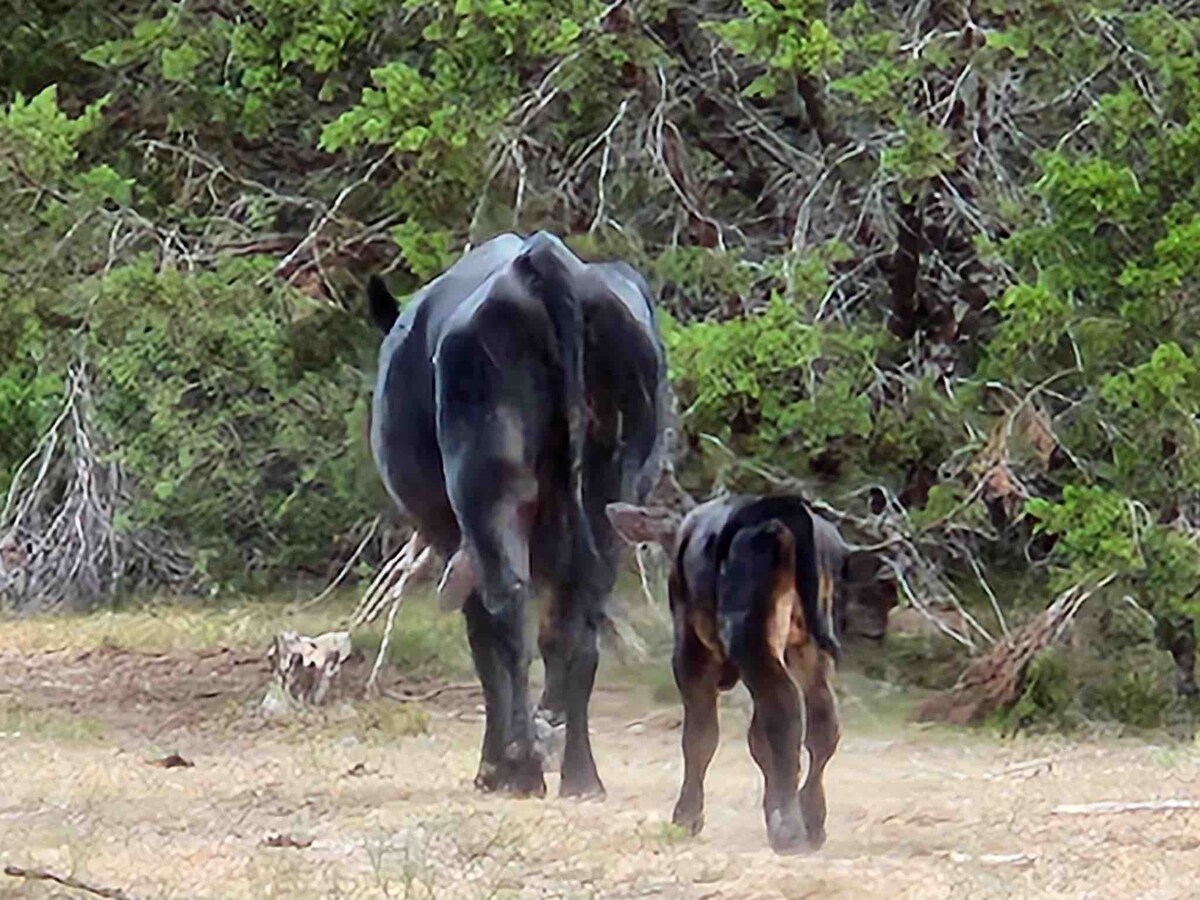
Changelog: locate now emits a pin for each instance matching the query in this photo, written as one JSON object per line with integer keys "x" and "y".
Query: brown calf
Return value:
{"x": 748, "y": 604}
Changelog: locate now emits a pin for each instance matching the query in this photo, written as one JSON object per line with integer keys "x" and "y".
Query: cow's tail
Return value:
{"x": 547, "y": 278}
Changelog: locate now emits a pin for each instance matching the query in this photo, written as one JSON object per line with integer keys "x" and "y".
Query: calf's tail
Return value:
{"x": 745, "y": 590}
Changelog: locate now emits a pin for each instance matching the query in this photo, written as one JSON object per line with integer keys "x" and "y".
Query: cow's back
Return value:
{"x": 620, "y": 332}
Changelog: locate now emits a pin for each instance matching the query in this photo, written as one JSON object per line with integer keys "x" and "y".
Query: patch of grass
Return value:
{"x": 1048, "y": 698}
{"x": 654, "y": 680}
{"x": 23, "y": 722}
{"x": 1137, "y": 696}
{"x": 661, "y": 834}
{"x": 425, "y": 641}
{"x": 379, "y": 722}
{"x": 239, "y": 622}
{"x": 928, "y": 661}
{"x": 388, "y": 719}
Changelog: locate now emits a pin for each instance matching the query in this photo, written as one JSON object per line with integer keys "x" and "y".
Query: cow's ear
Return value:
{"x": 381, "y": 304}
{"x": 644, "y": 524}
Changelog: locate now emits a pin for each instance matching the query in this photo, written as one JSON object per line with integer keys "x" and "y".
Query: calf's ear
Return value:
{"x": 381, "y": 304}
{"x": 644, "y": 524}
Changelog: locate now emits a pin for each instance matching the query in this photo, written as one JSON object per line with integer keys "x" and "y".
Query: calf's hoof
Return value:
{"x": 785, "y": 833}
{"x": 690, "y": 820}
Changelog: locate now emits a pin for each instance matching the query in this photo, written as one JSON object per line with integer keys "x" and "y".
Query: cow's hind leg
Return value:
{"x": 775, "y": 739}
{"x": 569, "y": 642}
{"x": 497, "y": 691}
{"x": 813, "y": 671}
{"x": 496, "y": 629}
{"x": 491, "y": 426}
{"x": 697, "y": 674}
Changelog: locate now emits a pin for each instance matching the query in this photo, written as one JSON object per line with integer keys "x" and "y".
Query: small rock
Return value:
{"x": 287, "y": 840}
{"x": 173, "y": 761}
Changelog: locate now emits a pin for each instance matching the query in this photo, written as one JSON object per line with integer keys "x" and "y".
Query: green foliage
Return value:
{"x": 46, "y": 192}
{"x": 922, "y": 154}
{"x": 234, "y": 442}
{"x": 1047, "y": 699}
{"x": 754, "y": 383}
{"x": 789, "y": 37}
{"x": 39, "y": 138}
{"x": 699, "y": 273}
{"x": 1136, "y": 696}
{"x": 1095, "y": 528}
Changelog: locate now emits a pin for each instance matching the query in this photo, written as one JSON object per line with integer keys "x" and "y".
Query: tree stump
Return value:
{"x": 304, "y": 668}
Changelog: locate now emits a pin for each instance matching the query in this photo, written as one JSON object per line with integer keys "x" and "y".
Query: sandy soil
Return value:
{"x": 386, "y": 813}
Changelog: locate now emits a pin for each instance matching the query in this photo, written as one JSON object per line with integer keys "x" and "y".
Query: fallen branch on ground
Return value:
{"x": 436, "y": 692}
{"x": 67, "y": 881}
{"x": 996, "y": 679}
{"x": 1107, "y": 807}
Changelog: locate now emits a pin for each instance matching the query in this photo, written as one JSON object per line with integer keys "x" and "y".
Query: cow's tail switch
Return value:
{"x": 547, "y": 278}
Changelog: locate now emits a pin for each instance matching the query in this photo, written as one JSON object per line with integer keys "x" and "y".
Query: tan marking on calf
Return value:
{"x": 785, "y": 623}
{"x": 825, "y": 593}
{"x": 807, "y": 665}
{"x": 705, "y": 628}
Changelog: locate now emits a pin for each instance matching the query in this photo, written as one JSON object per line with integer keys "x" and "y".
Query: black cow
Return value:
{"x": 748, "y": 603}
{"x": 517, "y": 395}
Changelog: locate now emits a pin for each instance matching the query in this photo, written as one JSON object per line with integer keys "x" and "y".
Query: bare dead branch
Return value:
{"x": 67, "y": 881}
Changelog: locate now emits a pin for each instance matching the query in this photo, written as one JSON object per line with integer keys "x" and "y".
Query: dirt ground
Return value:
{"x": 379, "y": 798}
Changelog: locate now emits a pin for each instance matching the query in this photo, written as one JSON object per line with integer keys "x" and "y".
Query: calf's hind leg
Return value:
{"x": 697, "y": 673}
{"x": 775, "y": 739}
{"x": 813, "y": 670}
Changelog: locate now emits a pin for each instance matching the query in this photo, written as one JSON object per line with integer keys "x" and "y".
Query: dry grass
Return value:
{"x": 426, "y": 641}
{"x": 383, "y": 792}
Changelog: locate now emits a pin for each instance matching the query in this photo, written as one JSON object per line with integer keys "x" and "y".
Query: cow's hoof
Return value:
{"x": 582, "y": 788}
{"x": 488, "y": 780}
{"x": 691, "y": 821}
{"x": 522, "y": 776}
{"x": 785, "y": 833}
{"x": 814, "y": 826}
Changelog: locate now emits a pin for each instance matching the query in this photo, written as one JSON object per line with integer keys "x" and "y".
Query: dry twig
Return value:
{"x": 1108, "y": 807}
{"x": 67, "y": 881}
